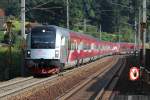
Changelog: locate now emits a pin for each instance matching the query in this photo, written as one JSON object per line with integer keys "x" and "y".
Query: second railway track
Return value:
{"x": 94, "y": 86}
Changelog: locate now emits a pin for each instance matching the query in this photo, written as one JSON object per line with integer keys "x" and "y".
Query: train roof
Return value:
{"x": 75, "y": 33}
{"x": 79, "y": 34}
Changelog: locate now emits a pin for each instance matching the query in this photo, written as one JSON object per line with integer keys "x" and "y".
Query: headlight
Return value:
{"x": 28, "y": 53}
{"x": 57, "y": 53}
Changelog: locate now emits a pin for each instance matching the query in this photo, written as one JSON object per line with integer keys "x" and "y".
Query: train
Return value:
{"x": 51, "y": 49}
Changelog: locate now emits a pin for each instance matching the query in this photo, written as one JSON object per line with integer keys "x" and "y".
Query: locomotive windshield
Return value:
{"x": 43, "y": 38}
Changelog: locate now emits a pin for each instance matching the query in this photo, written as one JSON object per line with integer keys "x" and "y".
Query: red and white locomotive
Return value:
{"x": 52, "y": 48}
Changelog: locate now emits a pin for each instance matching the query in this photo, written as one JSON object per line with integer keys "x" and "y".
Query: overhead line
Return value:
{"x": 38, "y": 6}
{"x": 121, "y": 5}
{"x": 47, "y": 8}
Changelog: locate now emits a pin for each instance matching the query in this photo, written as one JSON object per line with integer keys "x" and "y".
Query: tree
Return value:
{"x": 112, "y": 15}
{"x": 11, "y": 7}
{"x": 52, "y": 12}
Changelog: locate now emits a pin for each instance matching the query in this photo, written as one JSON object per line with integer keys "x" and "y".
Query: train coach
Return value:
{"x": 51, "y": 49}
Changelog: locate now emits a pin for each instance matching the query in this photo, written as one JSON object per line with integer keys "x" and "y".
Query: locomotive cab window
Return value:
{"x": 43, "y": 38}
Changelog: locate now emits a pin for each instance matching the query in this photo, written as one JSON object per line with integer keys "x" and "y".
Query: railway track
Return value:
{"x": 110, "y": 85}
{"x": 10, "y": 88}
{"x": 93, "y": 88}
{"x": 17, "y": 86}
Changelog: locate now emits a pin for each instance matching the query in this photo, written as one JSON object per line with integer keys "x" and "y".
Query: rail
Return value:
{"x": 84, "y": 85}
{"x": 10, "y": 89}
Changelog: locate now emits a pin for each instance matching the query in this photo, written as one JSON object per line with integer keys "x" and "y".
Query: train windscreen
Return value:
{"x": 43, "y": 38}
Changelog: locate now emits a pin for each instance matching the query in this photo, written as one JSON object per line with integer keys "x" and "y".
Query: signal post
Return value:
{"x": 144, "y": 31}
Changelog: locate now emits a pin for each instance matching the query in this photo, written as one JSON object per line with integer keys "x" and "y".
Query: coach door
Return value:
{"x": 64, "y": 50}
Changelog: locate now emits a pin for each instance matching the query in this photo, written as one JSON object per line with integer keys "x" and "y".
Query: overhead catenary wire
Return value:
{"x": 125, "y": 6}
{"x": 38, "y": 6}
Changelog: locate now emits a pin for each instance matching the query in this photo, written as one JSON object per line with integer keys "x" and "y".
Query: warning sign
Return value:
{"x": 134, "y": 73}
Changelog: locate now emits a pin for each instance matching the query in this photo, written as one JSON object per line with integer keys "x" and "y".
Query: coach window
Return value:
{"x": 103, "y": 47}
{"x": 72, "y": 45}
{"x": 88, "y": 46}
{"x": 107, "y": 47}
{"x": 84, "y": 46}
{"x": 95, "y": 47}
{"x": 92, "y": 46}
{"x": 76, "y": 45}
{"x": 98, "y": 47}
{"x": 80, "y": 46}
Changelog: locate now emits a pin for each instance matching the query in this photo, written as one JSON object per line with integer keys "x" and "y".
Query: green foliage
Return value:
{"x": 17, "y": 25}
{"x": 128, "y": 35}
{"x": 3, "y": 3}
{"x": 112, "y": 15}
{"x": 53, "y": 12}
{"x": 1, "y": 35}
{"x": 4, "y": 58}
{"x": 4, "y": 62}
{"x": 12, "y": 9}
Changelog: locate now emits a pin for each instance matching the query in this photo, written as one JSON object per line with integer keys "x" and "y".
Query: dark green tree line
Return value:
{"x": 113, "y": 15}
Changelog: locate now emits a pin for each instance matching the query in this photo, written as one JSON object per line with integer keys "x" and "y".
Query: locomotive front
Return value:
{"x": 42, "y": 53}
